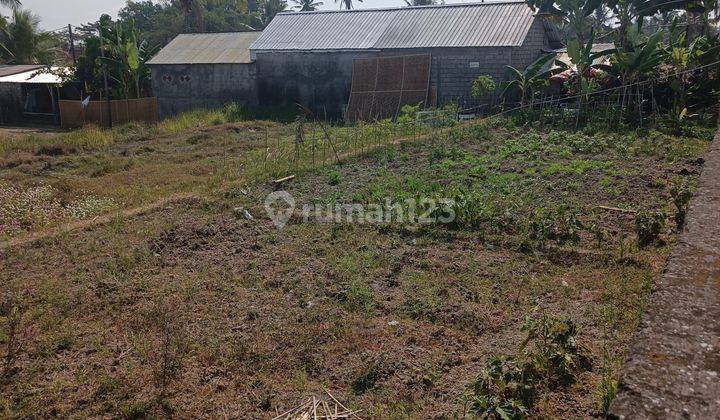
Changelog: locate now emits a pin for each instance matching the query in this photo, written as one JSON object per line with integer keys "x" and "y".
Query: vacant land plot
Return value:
{"x": 195, "y": 309}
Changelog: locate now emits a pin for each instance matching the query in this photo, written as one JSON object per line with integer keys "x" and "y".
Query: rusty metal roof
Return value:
{"x": 220, "y": 48}
{"x": 490, "y": 24}
{"x": 10, "y": 69}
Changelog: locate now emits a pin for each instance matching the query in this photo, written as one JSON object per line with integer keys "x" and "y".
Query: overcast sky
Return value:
{"x": 58, "y": 13}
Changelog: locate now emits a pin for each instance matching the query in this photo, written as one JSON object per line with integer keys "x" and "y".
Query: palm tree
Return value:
{"x": 307, "y": 5}
{"x": 420, "y": 2}
{"x": 347, "y": 4}
{"x": 24, "y": 43}
{"x": 10, "y": 3}
{"x": 270, "y": 8}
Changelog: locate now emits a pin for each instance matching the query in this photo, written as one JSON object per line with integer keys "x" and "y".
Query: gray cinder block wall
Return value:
{"x": 11, "y": 102}
{"x": 183, "y": 87}
{"x": 322, "y": 79}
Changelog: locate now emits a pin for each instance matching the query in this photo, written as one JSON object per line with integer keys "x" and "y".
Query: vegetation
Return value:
{"x": 652, "y": 69}
{"x": 508, "y": 387}
{"x": 22, "y": 42}
{"x": 393, "y": 317}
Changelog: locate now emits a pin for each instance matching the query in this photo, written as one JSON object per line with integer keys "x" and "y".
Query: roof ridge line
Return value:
{"x": 401, "y": 8}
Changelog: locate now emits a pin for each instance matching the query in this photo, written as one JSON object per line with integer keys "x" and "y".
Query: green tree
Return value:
{"x": 420, "y": 2}
{"x": 307, "y": 5}
{"x": 270, "y": 8}
{"x": 24, "y": 43}
{"x": 347, "y": 4}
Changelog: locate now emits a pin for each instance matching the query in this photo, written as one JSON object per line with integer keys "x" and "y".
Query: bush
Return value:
{"x": 648, "y": 226}
{"x": 483, "y": 86}
{"x": 549, "y": 357}
{"x": 681, "y": 194}
{"x": 334, "y": 178}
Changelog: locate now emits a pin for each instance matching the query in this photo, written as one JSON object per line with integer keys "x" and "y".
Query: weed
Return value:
{"x": 169, "y": 342}
{"x": 681, "y": 194}
{"x": 366, "y": 379}
{"x": 12, "y": 311}
{"x": 334, "y": 178}
{"x": 556, "y": 355}
{"x": 608, "y": 385}
{"x": 648, "y": 226}
{"x": 509, "y": 385}
{"x": 360, "y": 295}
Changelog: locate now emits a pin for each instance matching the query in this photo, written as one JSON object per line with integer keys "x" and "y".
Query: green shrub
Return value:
{"x": 681, "y": 194}
{"x": 648, "y": 226}
{"x": 334, "y": 178}
{"x": 483, "y": 86}
{"x": 508, "y": 386}
{"x": 360, "y": 295}
{"x": 504, "y": 389}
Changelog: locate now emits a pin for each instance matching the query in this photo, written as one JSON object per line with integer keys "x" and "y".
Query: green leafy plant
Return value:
{"x": 527, "y": 81}
{"x": 509, "y": 385}
{"x": 334, "y": 178}
{"x": 483, "y": 86}
{"x": 504, "y": 389}
{"x": 681, "y": 194}
{"x": 555, "y": 355}
{"x": 648, "y": 226}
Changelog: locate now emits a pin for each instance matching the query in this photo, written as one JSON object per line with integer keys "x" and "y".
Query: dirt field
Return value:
{"x": 194, "y": 310}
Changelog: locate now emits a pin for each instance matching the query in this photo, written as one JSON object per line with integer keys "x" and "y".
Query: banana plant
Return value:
{"x": 529, "y": 80}
{"x": 127, "y": 58}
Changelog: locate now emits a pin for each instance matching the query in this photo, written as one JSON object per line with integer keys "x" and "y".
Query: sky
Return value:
{"x": 58, "y": 13}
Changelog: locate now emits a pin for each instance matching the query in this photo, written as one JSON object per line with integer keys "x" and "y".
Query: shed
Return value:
{"x": 29, "y": 93}
{"x": 204, "y": 71}
{"x": 307, "y": 57}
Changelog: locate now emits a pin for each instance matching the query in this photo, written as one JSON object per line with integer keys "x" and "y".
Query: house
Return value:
{"x": 307, "y": 57}
{"x": 29, "y": 93}
{"x": 204, "y": 71}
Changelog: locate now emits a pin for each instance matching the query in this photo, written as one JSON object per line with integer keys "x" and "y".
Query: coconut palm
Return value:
{"x": 347, "y": 4}
{"x": 24, "y": 43}
{"x": 307, "y": 5}
{"x": 420, "y": 2}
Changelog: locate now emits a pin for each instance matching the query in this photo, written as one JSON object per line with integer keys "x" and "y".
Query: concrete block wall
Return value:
{"x": 11, "y": 102}
{"x": 319, "y": 80}
{"x": 181, "y": 88}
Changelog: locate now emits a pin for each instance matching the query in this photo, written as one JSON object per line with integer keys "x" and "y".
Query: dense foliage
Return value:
{"x": 638, "y": 57}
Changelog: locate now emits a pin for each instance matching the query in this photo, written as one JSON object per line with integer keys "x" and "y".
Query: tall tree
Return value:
{"x": 24, "y": 43}
{"x": 347, "y": 4}
{"x": 10, "y": 3}
{"x": 270, "y": 8}
{"x": 306, "y": 5}
{"x": 420, "y": 2}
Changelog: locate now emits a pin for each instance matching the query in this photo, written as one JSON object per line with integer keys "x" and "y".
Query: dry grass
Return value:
{"x": 191, "y": 311}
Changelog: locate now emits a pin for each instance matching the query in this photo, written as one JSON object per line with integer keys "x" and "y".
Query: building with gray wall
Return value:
{"x": 204, "y": 71}
{"x": 29, "y": 93}
{"x": 307, "y": 57}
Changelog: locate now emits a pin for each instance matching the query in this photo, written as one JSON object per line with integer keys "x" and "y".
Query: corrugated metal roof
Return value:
{"x": 458, "y": 25}
{"x": 35, "y": 76}
{"x": 222, "y": 48}
{"x": 10, "y": 69}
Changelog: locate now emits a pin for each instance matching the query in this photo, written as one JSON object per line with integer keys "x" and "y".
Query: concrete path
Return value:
{"x": 674, "y": 365}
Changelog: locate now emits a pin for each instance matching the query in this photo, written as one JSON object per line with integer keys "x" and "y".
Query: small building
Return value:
{"x": 307, "y": 57}
{"x": 29, "y": 94}
{"x": 204, "y": 71}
